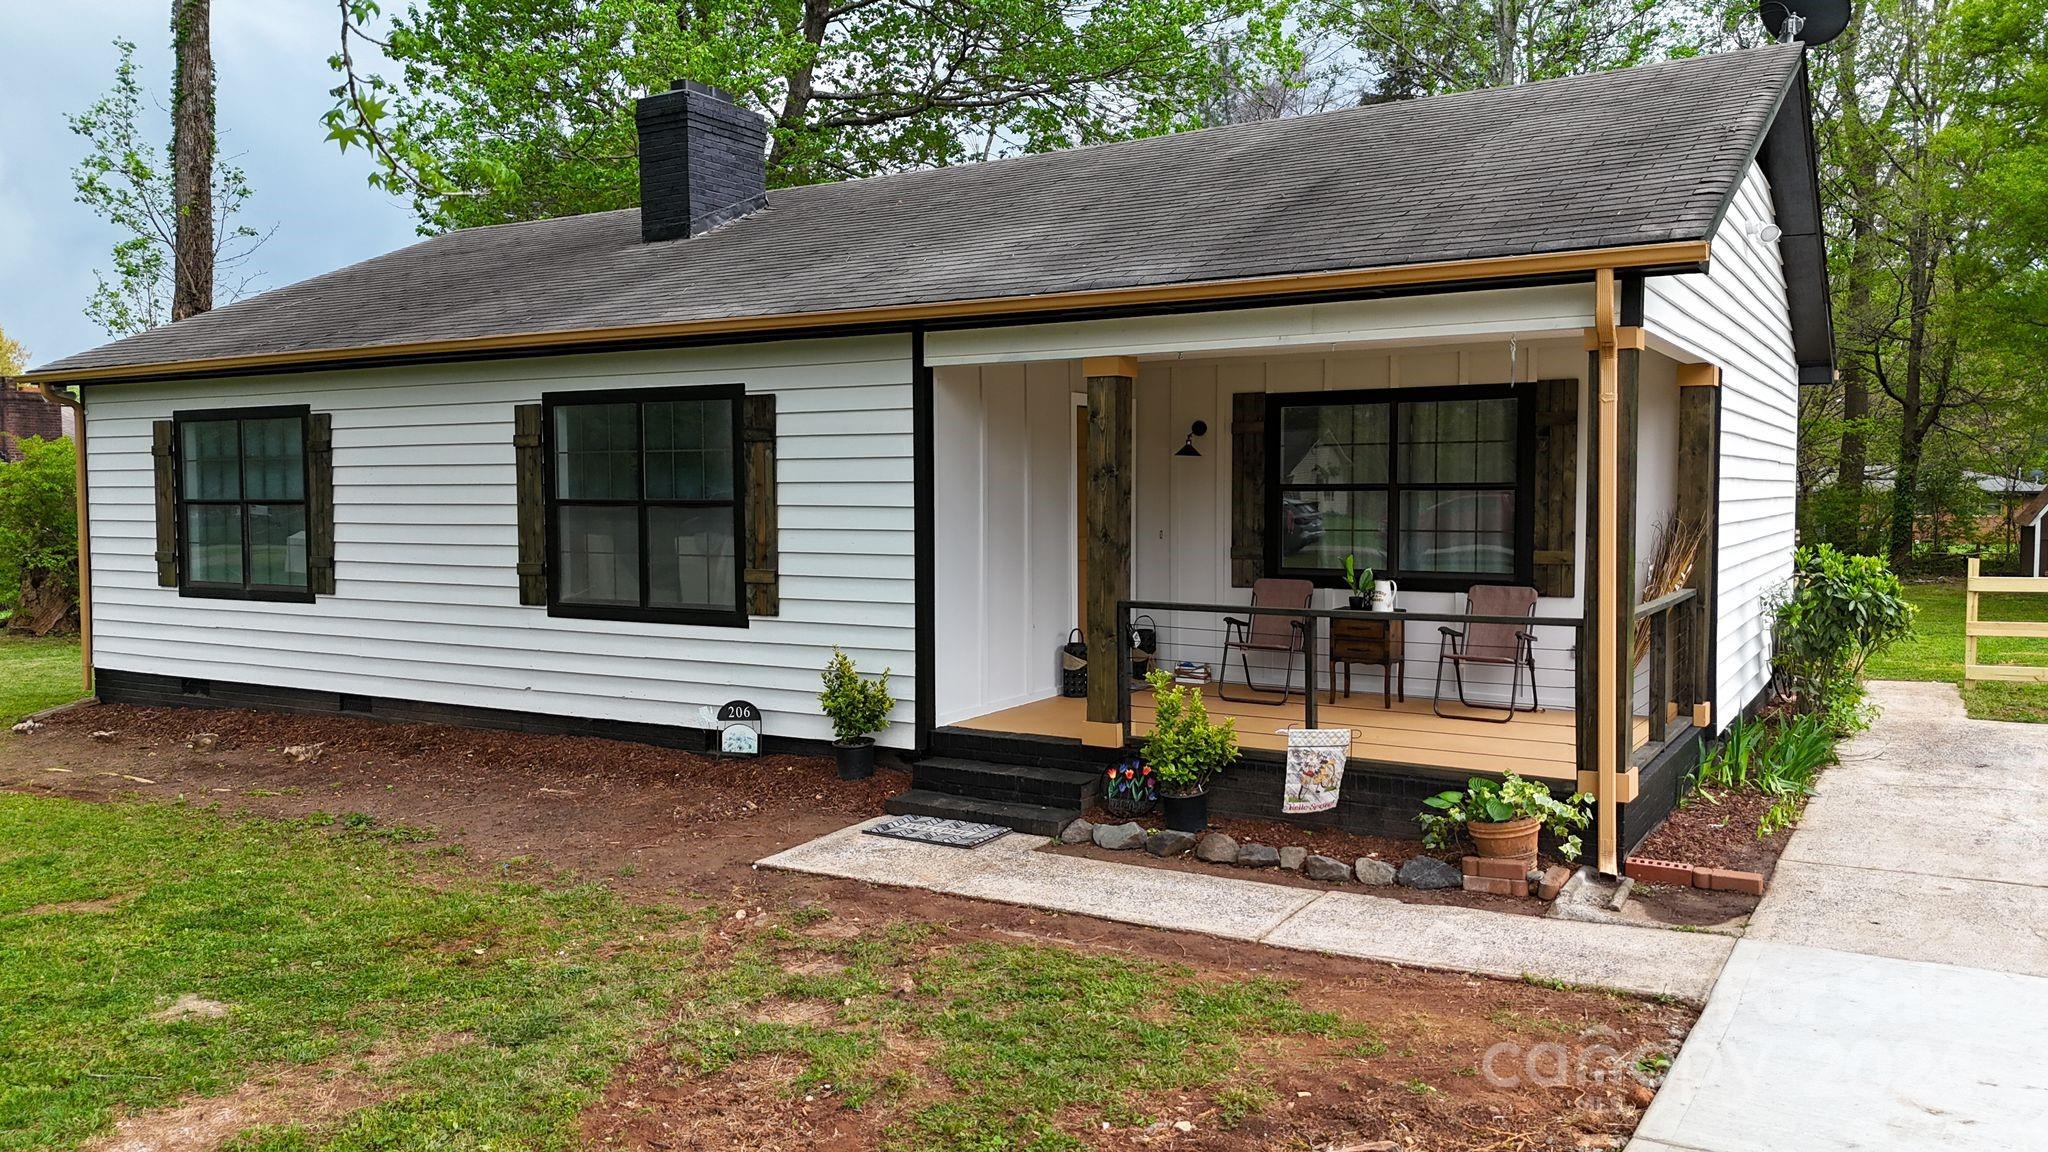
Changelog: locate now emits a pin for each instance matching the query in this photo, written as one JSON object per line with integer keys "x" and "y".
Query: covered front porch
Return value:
{"x": 1144, "y": 480}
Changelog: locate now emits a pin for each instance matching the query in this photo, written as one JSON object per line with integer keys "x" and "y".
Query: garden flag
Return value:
{"x": 1315, "y": 768}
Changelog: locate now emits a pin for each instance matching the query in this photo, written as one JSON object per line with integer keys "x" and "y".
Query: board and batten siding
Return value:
{"x": 426, "y": 604}
{"x": 1736, "y": 316}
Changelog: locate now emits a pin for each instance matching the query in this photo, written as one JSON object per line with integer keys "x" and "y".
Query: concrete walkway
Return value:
{"x": 1892, "y": 991}
{"x": 1646, "y": 961}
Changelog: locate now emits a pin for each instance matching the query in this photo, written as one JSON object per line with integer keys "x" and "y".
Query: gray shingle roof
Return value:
{"x": 1643, "y": 155}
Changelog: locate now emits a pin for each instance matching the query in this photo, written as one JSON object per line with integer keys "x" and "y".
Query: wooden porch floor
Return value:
{"x": 1538, "y": 745}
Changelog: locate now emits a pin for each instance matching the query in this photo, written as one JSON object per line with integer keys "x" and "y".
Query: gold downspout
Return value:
{"x": 77, "y": 406}
{"x": 1606, "y": 643}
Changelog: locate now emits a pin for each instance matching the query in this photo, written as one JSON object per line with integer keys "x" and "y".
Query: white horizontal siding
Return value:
{"x": 1736, "y": 316}
{"x": 426, "y": 605}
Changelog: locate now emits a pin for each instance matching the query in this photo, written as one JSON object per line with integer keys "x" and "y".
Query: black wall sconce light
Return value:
{"x": 1198, "y": 428}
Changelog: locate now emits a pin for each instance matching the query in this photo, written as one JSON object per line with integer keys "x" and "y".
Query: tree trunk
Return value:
{"x": 192, "y": 145}
{"x": 1861, "y": 181}
{"x": 802, "y": 82}
{"x": 1913, "y": 424}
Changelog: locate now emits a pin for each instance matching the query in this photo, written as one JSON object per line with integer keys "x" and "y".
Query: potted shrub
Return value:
{"x": 1185, "y": 751}
{"x": 1503, "y": 818}
{"x": 857, "y": 707}
{"x": 1359, "y": 580}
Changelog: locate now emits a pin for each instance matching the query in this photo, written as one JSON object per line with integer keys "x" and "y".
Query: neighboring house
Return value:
{"x": 2031, "y": 555}
{"x": 598, "y": 474}
{"x": 24, "y": 413}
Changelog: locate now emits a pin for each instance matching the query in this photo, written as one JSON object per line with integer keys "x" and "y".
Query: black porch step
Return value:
{"x": 1037, "y": 819}
{"x": 1023, "y": 783}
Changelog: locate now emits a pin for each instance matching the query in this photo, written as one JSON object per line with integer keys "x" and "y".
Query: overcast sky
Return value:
{"x": 271, "y": 56}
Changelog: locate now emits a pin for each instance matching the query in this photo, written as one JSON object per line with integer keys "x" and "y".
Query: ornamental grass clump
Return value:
{"x": 1186, "y": 749}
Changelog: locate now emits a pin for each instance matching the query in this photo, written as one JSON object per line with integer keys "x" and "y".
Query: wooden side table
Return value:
{"x": 1380, "y": 642}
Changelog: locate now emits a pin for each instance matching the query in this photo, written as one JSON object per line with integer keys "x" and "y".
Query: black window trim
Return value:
{"x": 736, "y": 616}
{"x": 1524, "y": 483}
{"x": 214, "y": 590}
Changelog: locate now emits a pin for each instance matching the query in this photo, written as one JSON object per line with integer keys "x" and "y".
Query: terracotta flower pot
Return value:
{"x": 1507, "y": 840}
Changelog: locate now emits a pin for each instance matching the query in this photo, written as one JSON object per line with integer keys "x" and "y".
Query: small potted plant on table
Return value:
{"x": 1185, "y": 751}
{"x": 1359, "y": 580}
{"x": 857, "y": 707}
{"x": 1504, "y": 817}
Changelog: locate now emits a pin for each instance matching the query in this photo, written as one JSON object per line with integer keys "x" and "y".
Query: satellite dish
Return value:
{"x": 1807, "y": 21}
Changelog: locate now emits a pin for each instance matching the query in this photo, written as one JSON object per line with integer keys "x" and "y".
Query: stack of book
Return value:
{"x": 1189, "y": 672}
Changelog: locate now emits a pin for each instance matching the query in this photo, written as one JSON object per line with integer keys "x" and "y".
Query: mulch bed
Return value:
{"x": 1719, "y": 833}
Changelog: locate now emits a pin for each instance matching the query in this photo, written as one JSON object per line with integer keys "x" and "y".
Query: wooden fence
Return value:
{"x": 1974, "y": 628}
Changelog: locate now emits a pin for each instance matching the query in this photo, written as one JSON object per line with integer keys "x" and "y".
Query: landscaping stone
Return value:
{"x": 1258, "y": 856}
{"x": 1078, "y": 832}
{"x": 1374, "y": 873}
{"x": 1216, "y": 848}
{"x": 1293, "y": 858}
{"x": 1119, "y": 837}
{"x": 1326, "y": 869}
{"x": 1167, "y": 842}
{"x": 1429, "y": 873}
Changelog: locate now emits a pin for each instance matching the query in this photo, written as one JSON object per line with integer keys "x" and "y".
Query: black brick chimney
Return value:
{"x": 702, "y": 161}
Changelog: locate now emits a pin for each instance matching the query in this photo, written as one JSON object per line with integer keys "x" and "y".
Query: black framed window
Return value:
{"x": 242, "y": 479}
{"x": 1425, "y": 486}
{"x": 644, "y": 509}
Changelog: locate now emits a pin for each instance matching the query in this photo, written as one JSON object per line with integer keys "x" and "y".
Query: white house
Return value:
{"x": 597, "y": 474}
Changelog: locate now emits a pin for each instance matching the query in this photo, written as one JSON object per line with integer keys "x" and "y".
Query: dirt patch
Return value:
{"x": 80, "y": 907}
{"x": 192, "y": 1006}
{"x": 1446, "y": 1067}
{"x": 638, "y": 817}
{"x": 310, "y": 1096}
{"x": 1720, "y": 833}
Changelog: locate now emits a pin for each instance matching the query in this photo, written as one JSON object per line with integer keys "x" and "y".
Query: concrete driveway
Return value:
{"x": 1892, "y": 991}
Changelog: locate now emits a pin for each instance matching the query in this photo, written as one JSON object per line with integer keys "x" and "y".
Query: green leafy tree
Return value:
{"x": 521, "y": 109}
{"x": 38, "y": 529}
{"x": 128, "y": 181}
{"x": 13, "y": 357}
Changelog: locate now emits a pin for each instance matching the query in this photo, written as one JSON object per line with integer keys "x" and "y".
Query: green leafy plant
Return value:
{"x": 1498, "y": 801}
{"x": 1779, "y": 759}
{"x": 1837, "y": 611}
{"x": 39, "y": 527}
{"x": 856, "y": 705}
{"x": 1185, "y": 747}
{"x": 1359, "y": 580}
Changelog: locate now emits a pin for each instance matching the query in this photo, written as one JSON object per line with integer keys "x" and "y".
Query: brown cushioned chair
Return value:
{"x": 1493, "y": 645}
{"x": 1267, "y": 632}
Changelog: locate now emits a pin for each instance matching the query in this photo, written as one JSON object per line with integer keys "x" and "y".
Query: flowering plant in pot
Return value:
{"x": 1185, "y": 750}
{"x": 857, "y": 707}
{"x": 1504, "y": 817}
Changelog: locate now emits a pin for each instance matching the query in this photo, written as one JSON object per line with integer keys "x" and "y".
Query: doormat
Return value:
{"x": 934, "y": 830}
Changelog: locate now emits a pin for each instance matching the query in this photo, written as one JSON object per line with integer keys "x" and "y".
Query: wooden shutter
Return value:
{"x": 764, "y": 555}
{"x": 1555, "y": 499}
{"x": 1247, "y": 488}
{"x": 529, "y": 455}
{"x": 163, "y": 449}
{"x": 320, "y": 504}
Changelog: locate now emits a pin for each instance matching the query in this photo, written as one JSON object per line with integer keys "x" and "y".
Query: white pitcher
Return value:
{"x": 1382, "y": 598}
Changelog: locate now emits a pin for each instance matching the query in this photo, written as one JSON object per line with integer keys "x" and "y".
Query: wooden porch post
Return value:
{"x": 1615, "y": 363}
{"x": 1109, "y": 530}
{"x": 1699, "y": 440}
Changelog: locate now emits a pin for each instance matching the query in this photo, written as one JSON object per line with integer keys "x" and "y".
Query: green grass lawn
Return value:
{"x": 1936, "y": 650}
{"x": 450, "y": 1010}
{"x": 36, "y": 674}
